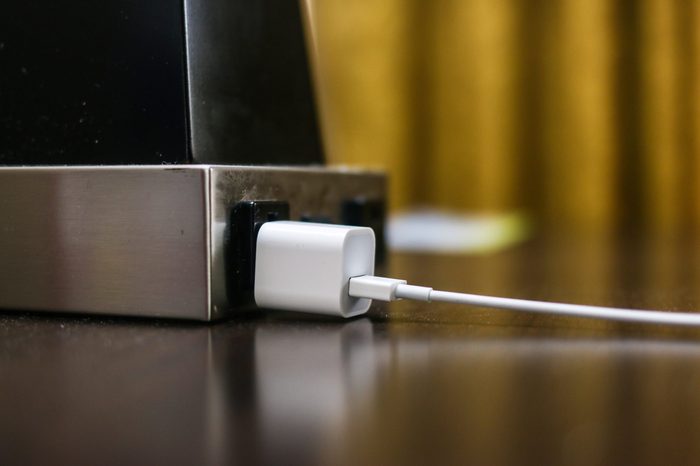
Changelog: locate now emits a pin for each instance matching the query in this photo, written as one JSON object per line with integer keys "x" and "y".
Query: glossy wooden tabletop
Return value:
{"x": 409, "y": 384}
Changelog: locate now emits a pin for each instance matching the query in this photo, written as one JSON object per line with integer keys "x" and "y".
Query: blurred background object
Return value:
{"x": 581, "y": 114}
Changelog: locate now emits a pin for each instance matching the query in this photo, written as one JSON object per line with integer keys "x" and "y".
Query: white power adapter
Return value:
{"x": 328, "y": 269}
{"x": 302, "y": 266}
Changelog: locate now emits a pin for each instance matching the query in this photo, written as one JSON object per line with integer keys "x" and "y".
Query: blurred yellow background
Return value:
{"x": 583, "y": 114}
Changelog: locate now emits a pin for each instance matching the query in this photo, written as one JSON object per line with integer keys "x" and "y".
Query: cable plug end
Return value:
{"x": 368, "y": 286}
{"x": 387, "y": 289}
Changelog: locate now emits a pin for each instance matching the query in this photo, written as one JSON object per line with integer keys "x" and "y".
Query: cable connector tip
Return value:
{"x": 368, "y": 286}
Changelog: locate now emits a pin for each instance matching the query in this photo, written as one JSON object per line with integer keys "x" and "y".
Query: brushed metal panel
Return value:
{"x": 111, "y": 240}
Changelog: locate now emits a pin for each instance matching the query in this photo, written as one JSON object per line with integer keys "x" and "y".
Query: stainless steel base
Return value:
{"x": 142, "y": 240}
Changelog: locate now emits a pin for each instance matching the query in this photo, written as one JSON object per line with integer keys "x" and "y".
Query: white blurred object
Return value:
{"x": 429, "y": 230}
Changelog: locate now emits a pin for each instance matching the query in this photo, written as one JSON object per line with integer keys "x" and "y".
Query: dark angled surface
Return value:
{"x": 424, "y": 384}
{"x": 86, "y": 82}
{"x": 251, "y": 98}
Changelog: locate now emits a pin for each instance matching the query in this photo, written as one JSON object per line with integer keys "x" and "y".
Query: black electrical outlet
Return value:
{"x": 362, "y": 212}
{"x": 245, "y": 221}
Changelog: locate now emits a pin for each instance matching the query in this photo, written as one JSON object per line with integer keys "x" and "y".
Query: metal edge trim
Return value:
{"x": 208, "y": 215}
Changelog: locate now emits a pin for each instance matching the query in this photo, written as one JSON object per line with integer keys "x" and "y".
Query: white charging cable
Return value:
{"x": 390, "y": 290}
{"x": 329, "y": 269}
